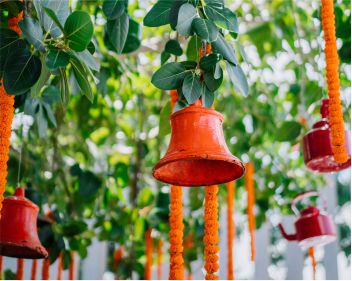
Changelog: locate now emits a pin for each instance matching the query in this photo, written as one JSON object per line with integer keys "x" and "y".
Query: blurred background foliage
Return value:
{"x": 93, "y": 169}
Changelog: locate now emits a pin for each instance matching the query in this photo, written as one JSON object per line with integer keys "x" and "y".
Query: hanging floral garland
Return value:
{"x": 34, "y": 269}
{"x": 159, "y": 259}
{"x": 249, "y": 182}
{"x": 20, "y": 269}
{"x": 337, "y": 128}
{"x": 230, "y": 229}
{"x": 71, "y": 268}
{"x": 314, "y": 263}
{"x": 148, "y": 254}
{"x": 46, "y": 269}
{"x": 6, "y": 117}
{"x": 59, "y": 267}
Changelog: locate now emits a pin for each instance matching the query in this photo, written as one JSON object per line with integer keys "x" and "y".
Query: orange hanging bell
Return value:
{"x": 18, "y": 228}
{"x": 197, "y": 153}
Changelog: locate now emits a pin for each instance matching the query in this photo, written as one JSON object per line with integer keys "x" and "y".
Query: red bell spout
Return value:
{"x": 289, "y": 237}
{"x": 197, "y": 154}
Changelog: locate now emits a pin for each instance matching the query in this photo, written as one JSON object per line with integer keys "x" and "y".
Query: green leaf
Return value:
{"x": 78, "y": 30}
{"x": 88, "y": 59}
{"x": 164, "y": 121}
{"x": 207, "y": 96}
{"x": 159, "y": 14}
{"x": 64, "y": 88}
{"x": 175, "y": 8}
{"x": 185, "y": 18}
{"x": 133, "y": 41}
{"x": 72, "y": 228}
{"x": 192, "y": 88}
{"x": 222, "y": 16}
{"x": 164, "y": 57}
{"x": 169, "y": 76}
{"x": 145, "y": 198}
{"x": 21, "y": 72}
{"x": 44, "y": 77}
{"x": 89, "y": 184}
{"x": 118, "y": 32}
{"x": 61, "y": 12}
{"x": 32, "y": 30}
{"x": 192, "y": 49}
{"x": 57, "y": 58}
{"x": 113, "y": 8}
{"x": 9, "y": 43}
{"x": 53, "y": 16}
{"x": 208, "y": 62}
{"x": 81, "y": 76}
{"x": 205, "y": 29}
{"x": 221, "y": 46}
{"x": 189, "y": 64}
{"x": 173, "y": 47}
{"x": 288, "y": 131}
{"x": 238, "y": 78}
{"x": 213, "y": 82}
{"x": 180, "y": 105}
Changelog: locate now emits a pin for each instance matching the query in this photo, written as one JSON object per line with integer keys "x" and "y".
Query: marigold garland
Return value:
{"x": 71, "y": 268}
{"x": 337, "y": 127}
{"x": 249, "y": 182}
{"x": 230, "y": 229}
{"x": 20, "y": 269}
{"x": 312, "y": 257}
{"x": 176, "y": 234}
{"x": 59, "y": 267}
{"x": 6, "y": 117}
{"x": 117, "y": 257}
{"x": 149, "y": 255}
{"x": 159, "y": 259}
{"x": 46, "y": 269}
{"x": 211, "y": 232}
{"x": 34, "y": 269}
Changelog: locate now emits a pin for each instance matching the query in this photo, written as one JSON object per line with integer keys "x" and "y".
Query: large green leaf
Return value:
{"x": 205, "y": 29}
{"x": 33, "y": 32}
{"x": 89, "y": 184}
{"x": 175, "y": 8}
{"x": 192, "y": 49}
{"x": 21, "y": 71}
{"x": 57, "y": 58}
{"x": 222, "y": 16}
{"x": 44, "y": 77}
{"x": 185, "y": 18}
{"x": 221, "y": 46}
{"x": 133, "y": 41}
{"x": 213, "y": 81}
{"x": 9, "y": 43}
{"x": 169, "y": 76}
{"x": 238, "y": 78}
{"x": 159, "y": 14}
{"x": 78, "y": 30}
{"x": 118, "y": 32}
{"x": 288, "y": 131}
{"x": 88, "y": 59}
{"x": 173, "y": 47}
{"x": 207, "y": 96}
{"x": 81, "y": 76}
{"x": 208, "y": 62}
{"x": 192, "y": 88}
{"x": 113, "y": 8}
{"x": 164, "y": 122}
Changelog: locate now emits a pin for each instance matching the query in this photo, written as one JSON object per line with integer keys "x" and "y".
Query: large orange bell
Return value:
{"x": 18, "y": 228}
{"x": 197, "y": 154}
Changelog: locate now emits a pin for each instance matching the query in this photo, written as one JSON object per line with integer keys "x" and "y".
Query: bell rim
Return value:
{"x": 36, "y": 252}
{"x": 336, "y": 167}
{"x": 204, "y": 156}
{"x": 197, "y": 109}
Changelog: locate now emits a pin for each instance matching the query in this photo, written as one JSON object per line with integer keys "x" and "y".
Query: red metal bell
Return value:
{"x": 18, "y": 228}
{"x": 197, "y": 153}
{"x": 313, "y": 227}
{"x": 317, "y": 149}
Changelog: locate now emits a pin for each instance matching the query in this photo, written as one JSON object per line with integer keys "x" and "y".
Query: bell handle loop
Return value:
{"x": 301, "y": 196}
{"x": 289, "y": 237}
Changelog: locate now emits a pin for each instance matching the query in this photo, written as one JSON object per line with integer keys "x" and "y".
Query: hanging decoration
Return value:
{"x": 71, "y": 268}
{"x": 46, "y": 269}
{"x": 148, "y": 254}
{"x": 19, "y": 235}
{"x": 317, "y": 145}
{"x": 20, "y": 269}
{"x": 230, "y": 228}
{"x": 117, "y": 257}
{"x": 6, "y": 117}
{"x": 249, "y": 182}
{"x": 313, "y": 260}
{"x": 337, "y": 128}
{"x": 59, "y": 267}
{"x": 314, "y": 227}
{"x": 188, "y": 244}
{"x": 1, "y": 265}
{"x": 34, "y": 270}
{"x": 211, "y": 232}
{"x": 159, "y": 259}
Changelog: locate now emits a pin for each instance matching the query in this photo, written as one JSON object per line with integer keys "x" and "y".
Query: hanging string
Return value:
{"x": 249, "y": 182}
{"x": 46, "y": 269}
{"x": 148, "y": 254}
{"x": 59, "y": 267}
{"x": 159, "y": 259}
{"x": 314, "y": 263}
{"x": 337, "y": 127}
{"x": 211, "y": 232}
{"x": 176, "y": 234}
{"x": 71, "y": 268}
{"x": 20, "y": 269}
{"x": 6, "y": 118}
{"x": 34, "y": 269}
{"x": 230, "y": 229}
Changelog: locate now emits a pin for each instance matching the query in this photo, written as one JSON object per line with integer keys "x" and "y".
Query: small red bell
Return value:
{"x": 197, "y": 153}
{"x": 18, "y": 228}
{"x": 317, "y": 149}
{"x": 313, "y": 227}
